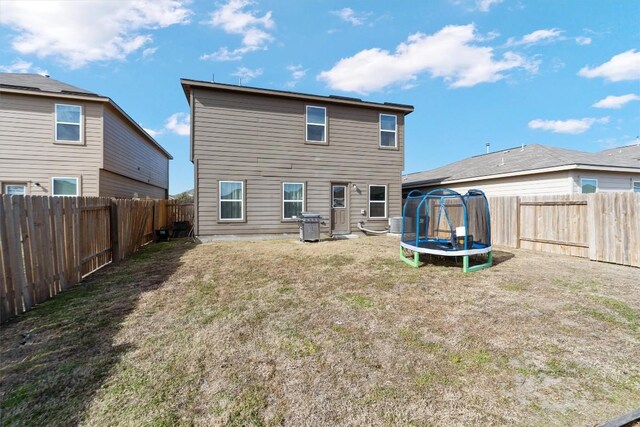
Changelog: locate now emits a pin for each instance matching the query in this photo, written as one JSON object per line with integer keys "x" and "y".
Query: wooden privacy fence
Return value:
{"x": 601, "y": 226}
{"x": 48, "y": 244}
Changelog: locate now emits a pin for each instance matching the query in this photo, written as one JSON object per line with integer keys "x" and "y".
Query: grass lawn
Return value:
{"x": 336, "y": 333}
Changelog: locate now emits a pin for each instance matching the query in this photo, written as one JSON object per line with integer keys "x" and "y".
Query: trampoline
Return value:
{"x": 444, "y": 222}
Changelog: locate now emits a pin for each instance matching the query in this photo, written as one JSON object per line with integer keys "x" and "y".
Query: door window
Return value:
{"x": 339, "y": 196}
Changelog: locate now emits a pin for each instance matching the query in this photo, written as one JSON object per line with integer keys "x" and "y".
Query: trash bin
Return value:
{"x": 309, "y": 224}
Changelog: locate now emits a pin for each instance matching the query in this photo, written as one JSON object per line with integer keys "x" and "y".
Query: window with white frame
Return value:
{"x": 15, "y": 189}
{"x": 316, "y": 124}
{"x": 292, "y": 199}
{"x": 636, "y": 187}
{"x": 377, "y": 201}
{"x": 65, "y": 186}
{"x": 231, "y": 200}
{"x": 588, "y": 185}
{"x": 388, "y": 131}
{"x": 68, "y": 123}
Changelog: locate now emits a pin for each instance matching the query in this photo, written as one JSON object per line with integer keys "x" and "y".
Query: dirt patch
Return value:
{"x": 336, "y": 333}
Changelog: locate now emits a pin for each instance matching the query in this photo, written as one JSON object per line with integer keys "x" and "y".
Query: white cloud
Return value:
{"x": 452, "y": 54}
{"x": 624, "y": 66}
{"x": 246, "y": 74}
{"x": 233, "y": 19}
{"x": 149, "y": 52}
{"x": 572, "y": 126}
{"x": 538, "y": 36}
{"x": 349, "y": 15}
{"x": 178, "y": 123}
{"x": 152, "y": 133}
{"x": 485, "y": 5}
{"x": 583, "y": 40}
{"x": 22, "y": 66}
{"x": 297, "y": 72}
{"x": 84, "y": 32}
{"x": 616, "y": 102}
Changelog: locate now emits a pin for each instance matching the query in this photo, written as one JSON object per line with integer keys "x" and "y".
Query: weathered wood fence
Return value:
{"x": 48, "y": 244}
{"x": 601, "y": 226}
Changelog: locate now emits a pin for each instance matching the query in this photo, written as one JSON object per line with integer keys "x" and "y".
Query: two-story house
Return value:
{"x": 61, "y": 140}
{"x": 263, "y": 156}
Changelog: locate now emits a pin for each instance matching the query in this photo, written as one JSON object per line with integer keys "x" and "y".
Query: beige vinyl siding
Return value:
{"x": 551, "y": 183}
{"x": 261, "y": 139}
{"x": 114, "y": 185}
{"x": 27, "y": 149}
{"x": 127, "y": 152}
{"x": 607, "y": 181}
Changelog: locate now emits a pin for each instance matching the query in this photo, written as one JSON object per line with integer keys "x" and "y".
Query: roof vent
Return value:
{"x": 346, "y": 98}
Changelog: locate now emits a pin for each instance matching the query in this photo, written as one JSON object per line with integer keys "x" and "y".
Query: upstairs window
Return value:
{"x": 292, "y": 200}
{"x": 316, "y": 124}
{"x": 231, "y": 200}
{"x": 636, "y": 186}
{"x": 388, "y": 131}
{"x": 588, "y": 185}
{"x": 65, "y": 186}
{"x": 68, "y": 123}
{"x": 377, "y": 201}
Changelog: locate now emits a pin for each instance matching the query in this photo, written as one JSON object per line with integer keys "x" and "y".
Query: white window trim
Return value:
{"x": 380, "y": 130}
{"x": 633, "y": 183}
{"x": 220, "y": 200}
{"x": 386, "y": 200}
{"x": 590, "y": 179}
{"x": 306, "y": 126}
{"x": 284, "y": 200}
{"x": 26, "y": 187}
{"x": 53, "y": 178}
{"x": 56, "y": 122}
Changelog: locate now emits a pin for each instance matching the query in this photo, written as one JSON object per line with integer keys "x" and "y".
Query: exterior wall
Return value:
{"x": 114, "y": 185}
{"x": 607, "y": 181}
{"x": 29, "y": 154}
{"x": 128, "y": 153}
{"x": 528, "y": 185}
{"x": 261, "y": 140}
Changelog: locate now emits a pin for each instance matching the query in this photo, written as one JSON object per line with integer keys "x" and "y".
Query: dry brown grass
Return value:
{"x": 336, "y": 333}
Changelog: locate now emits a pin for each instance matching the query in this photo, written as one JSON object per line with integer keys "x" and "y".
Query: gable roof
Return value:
{"x": 36, "y": 84}
{"x": 527, "y": 159}
{"x": 187, "y": 84}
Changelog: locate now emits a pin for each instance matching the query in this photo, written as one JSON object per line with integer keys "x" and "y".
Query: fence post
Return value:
{"x": 591, "y": 227}
{"x": 518, "y": 220}
{"x": 115, "y": 244}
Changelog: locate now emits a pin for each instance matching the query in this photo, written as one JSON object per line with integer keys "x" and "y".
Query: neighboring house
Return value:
{"x": 263, "y": 156}
{"x": 60, "y": 140}
{"x": 535, "y": 170}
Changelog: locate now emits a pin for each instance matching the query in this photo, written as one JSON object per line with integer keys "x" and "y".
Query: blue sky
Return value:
{"x": 508, "y": 72}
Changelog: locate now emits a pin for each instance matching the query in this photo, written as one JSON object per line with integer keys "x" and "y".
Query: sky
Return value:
{"x": 564, "y": 73}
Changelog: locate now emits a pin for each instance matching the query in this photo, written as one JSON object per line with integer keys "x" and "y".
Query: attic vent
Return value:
{"x": 71, "y": 92}
{"x": 19, "y": 87}
{"x": 346, "y": 98}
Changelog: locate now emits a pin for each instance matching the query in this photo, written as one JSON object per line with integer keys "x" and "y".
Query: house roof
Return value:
{"x": 36, "y": 84}
{"x": 187, "y": 84}
{"x": 527, "y": 159}
{"x": 626, "y": 152}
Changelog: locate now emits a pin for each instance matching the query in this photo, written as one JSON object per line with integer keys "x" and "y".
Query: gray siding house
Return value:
{"x": 263, "y": 156}
{"x": 532, "y": 170}
{"x": 60, "y": 140}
